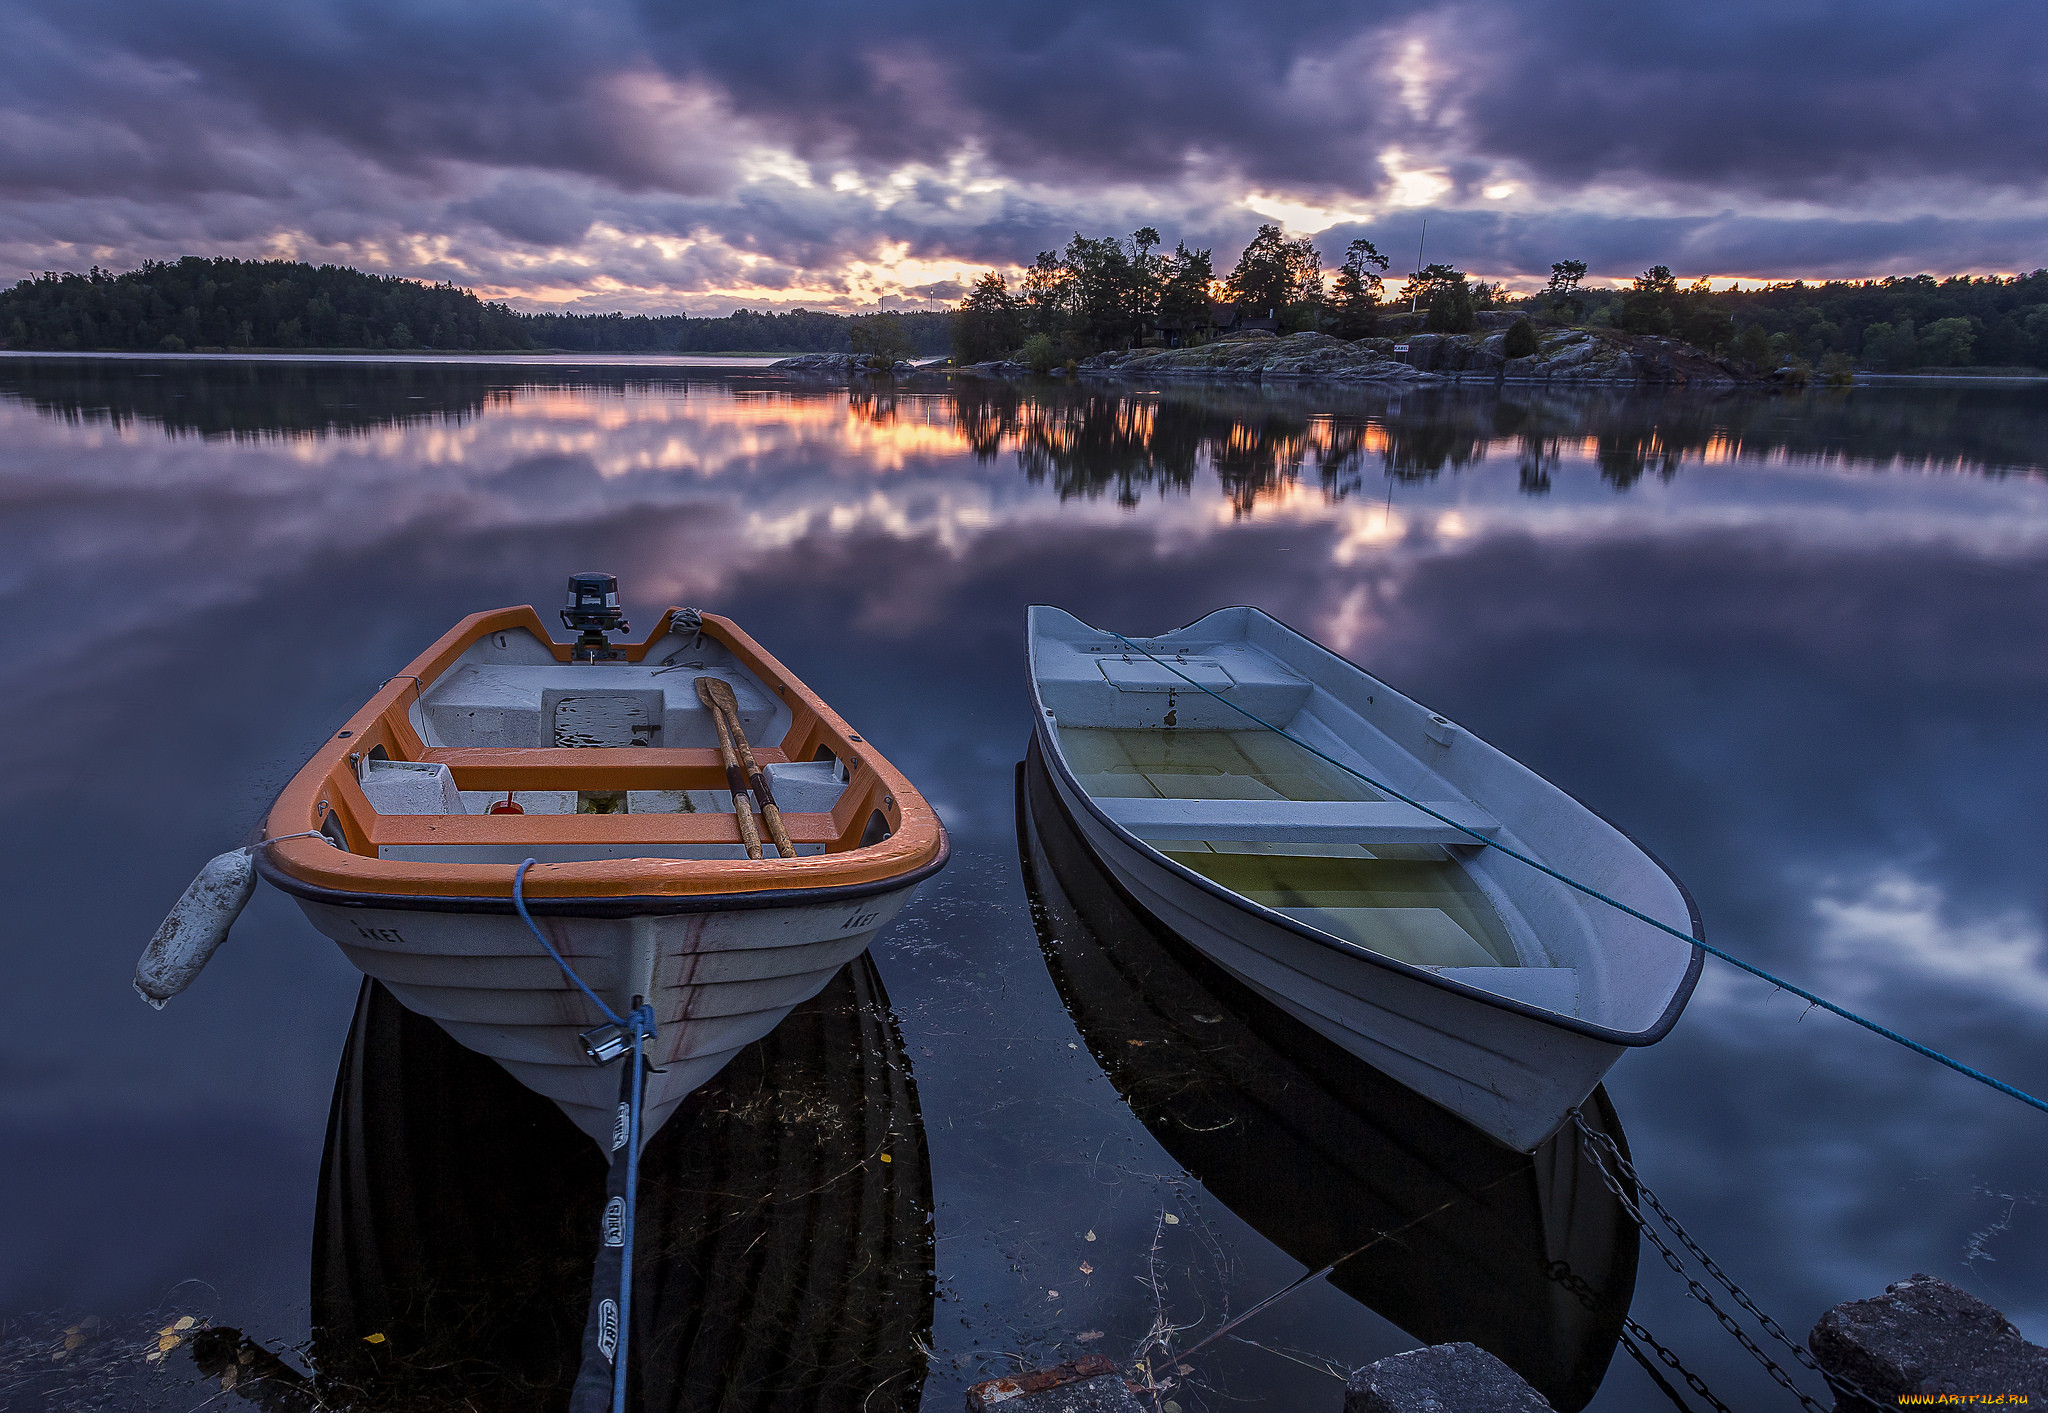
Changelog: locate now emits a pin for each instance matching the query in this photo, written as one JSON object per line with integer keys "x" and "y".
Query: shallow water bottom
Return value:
{"x": 1421, "y": 911}
{"x": 1414, "y": 903}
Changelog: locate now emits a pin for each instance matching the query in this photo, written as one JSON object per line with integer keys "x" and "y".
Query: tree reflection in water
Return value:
{"x": 1260, "y": 442}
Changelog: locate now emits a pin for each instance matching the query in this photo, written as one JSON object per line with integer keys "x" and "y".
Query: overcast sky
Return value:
{"x": 604, "y": 154}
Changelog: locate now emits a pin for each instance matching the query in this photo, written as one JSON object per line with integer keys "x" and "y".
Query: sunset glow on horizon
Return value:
{"x": 592, "y": 158}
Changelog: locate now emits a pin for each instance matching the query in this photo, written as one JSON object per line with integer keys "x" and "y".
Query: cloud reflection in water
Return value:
{"x": 1790, "y": 643}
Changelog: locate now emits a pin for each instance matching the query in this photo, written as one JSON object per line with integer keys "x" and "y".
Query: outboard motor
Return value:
{"x": 592, "y": 612}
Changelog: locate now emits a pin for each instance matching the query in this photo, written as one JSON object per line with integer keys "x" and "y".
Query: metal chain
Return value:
{"x": 1627, "y": 1170}
{"x": 1653, "y": 1373}
{"x": 1636, "y": 1332}
{"x": 1836, "y": 1382}
{"x": 1594, "y": 1300}
{"x": 1692, "y": 1285}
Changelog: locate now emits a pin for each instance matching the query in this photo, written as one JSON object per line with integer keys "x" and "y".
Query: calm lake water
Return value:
{"x": 1793, "y": 644}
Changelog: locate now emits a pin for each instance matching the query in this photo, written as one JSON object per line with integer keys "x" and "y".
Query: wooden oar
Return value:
{"x": 735, "y": 781}
{"x": 723, "y": 701}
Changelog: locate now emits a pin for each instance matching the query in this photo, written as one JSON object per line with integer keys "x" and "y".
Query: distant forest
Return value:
{"x": 1111, "y": 292}
{"x": 742, "y": 331}
{"x": 1892, "y": 325}
{"x": 1098, "y": 293}
{"x": 219, "y": 304}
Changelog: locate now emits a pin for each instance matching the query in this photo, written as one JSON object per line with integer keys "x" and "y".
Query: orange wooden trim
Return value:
{"x": 918, "y": 839}
{"x": 524, "y": 829}
{"x": 560, "y": 768}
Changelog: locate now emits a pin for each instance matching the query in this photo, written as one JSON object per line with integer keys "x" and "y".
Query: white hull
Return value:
{"x": 1512, "y": 1076}
{"x": 718, "y": 980}
{"x": 1510, "y": 1029}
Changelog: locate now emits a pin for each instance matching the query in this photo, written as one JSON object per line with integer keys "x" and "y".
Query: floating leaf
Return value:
{"x": 1091, "y": 1234}
{"x": 1172, "y": 1220}
{"x": 887, "y": 1159}
{"x": 185, "y": 1322}
{"x": 1086, "y": 1269}
{"x": 373, "y": 1339}
{"x": 1086, "y": 1336}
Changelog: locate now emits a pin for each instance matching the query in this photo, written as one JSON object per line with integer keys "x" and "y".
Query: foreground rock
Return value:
{"x": 1087, "y": 1385}
{"x": 1924, "y": 1335}
{"x": 1443, "y": 1378}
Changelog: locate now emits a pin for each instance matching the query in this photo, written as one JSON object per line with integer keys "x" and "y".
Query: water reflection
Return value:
{"x": 1096, "y": 440}
{"x": 1320, "y": 1152}
{"x": 234, "y": 399}
{"x": 1811, "y": 682}
{"x": 1087, "y": 443}
{"x": 784, "y": 1255}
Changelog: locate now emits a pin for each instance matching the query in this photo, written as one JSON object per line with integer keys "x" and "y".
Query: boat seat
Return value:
{"x": 1366, "y": 822}
{"x": 410, "y": 787}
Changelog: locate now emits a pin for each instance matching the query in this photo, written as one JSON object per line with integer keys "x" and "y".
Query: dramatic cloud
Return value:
{"x": 606, "y": 154}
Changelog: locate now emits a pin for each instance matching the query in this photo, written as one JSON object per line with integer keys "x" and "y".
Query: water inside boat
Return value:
{"x": 1182, "y": 764}
{"x": 1413, "y": 902}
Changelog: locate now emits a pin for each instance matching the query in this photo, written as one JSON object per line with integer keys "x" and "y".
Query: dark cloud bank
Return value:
{"x": 676, "y": 150}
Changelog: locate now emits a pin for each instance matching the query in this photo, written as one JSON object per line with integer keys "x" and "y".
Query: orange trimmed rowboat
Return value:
{"x": 612, "y": 758}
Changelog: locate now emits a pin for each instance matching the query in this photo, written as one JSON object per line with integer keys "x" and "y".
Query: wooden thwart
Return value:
{"x": 1366, "y": 822}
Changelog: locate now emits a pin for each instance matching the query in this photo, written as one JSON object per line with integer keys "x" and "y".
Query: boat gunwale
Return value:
{"x": 915, "y": 847}
{"x": 609, "y": 906}
{"x": 1650, "y": 1035}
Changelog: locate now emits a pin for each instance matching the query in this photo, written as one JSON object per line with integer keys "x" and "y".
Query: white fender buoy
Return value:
{"x": 196, "y": 927}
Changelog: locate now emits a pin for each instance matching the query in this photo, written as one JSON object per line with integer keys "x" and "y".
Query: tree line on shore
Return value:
{"x": 1108, "y": 292}
{"x": 1097, "y": 293}
{"x": 216, "y": 304}
{"x": 1104, "y": 292}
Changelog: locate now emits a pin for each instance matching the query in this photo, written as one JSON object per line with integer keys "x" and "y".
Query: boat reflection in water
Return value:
{"x": 1319, "y": 1151}
{"x": 784, "y": 1249}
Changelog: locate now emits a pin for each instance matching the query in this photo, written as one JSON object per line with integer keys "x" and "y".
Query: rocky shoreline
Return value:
{"x": 1922, "y": 1339}
{"x": 1562, "y": 356}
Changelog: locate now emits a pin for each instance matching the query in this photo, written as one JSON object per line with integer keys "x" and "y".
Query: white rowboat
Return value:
{"x": 1475, "y": 980}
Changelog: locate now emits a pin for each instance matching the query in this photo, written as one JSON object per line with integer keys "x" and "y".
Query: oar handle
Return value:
{"x": 771, "y": 813}
{"x": 717, "y": 694}
{"x": 772, "y": 817}
{"x": 735, "y": 781}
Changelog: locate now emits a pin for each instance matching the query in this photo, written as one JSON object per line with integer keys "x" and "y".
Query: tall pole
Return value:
{"x": 1416, "y": 298}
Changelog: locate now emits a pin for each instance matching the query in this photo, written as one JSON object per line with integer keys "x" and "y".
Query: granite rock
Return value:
{"x": 1315, "y": 357}
{"x": 841, "y": 365}
{"x": 1568, "y": 355}
{"x": 1924, "y": 1335}
{"x": 1442, "y": 1378}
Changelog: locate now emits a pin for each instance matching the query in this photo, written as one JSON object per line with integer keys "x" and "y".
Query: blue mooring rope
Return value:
{"x": 519, "y": 905}
{"x": 1957, "y": 1065}
{"x": 640, "y": 1023}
